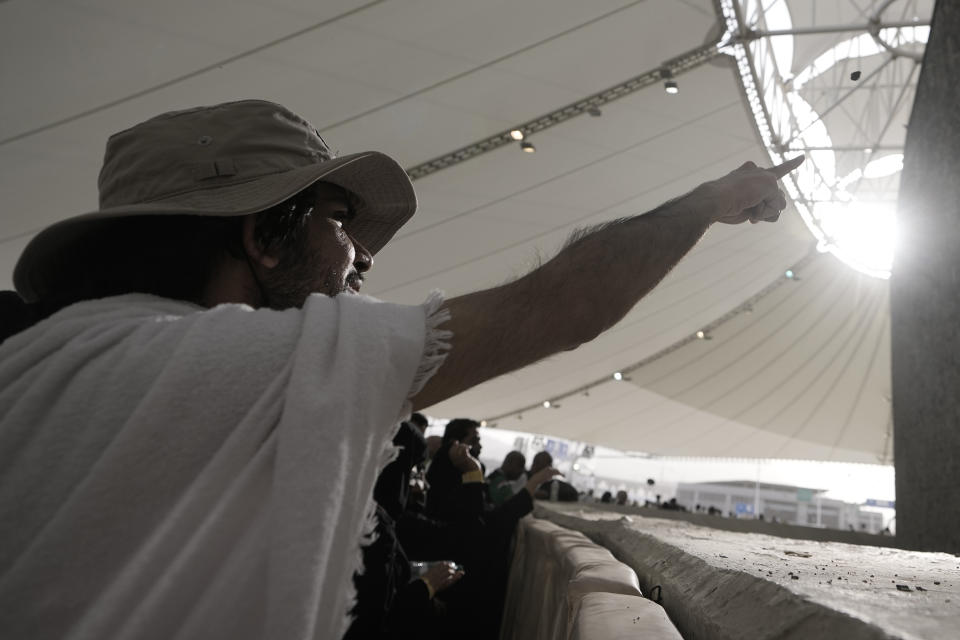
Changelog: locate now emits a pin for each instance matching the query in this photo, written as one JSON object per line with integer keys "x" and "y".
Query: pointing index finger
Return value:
{"x": 783, "y": 169}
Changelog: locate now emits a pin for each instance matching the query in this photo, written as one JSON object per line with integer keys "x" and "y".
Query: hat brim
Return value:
{"x": 383, "y": 187}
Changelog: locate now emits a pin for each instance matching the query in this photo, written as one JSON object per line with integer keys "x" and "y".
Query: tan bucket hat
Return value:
{"x": 229, "y": 159}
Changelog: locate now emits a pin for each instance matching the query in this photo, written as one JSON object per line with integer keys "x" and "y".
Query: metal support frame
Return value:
{"x": 669, "y": 69}
{"x": 672, "y": 67}
{"x": 841, "y": 28}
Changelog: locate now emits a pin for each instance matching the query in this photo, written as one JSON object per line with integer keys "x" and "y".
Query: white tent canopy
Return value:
{"x": 805, "y": 375}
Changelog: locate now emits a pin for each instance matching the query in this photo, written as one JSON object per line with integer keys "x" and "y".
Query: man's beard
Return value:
{"x": 289, "y": 283}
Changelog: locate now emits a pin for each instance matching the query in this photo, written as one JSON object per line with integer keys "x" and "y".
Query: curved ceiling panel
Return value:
{"x": 802, "y": 376}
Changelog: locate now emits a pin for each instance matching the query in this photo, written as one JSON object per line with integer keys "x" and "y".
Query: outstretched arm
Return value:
{"x": 592, "y": 282}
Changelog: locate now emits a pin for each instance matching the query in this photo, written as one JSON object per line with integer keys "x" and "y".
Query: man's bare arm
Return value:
{"x": 592, "y": 283}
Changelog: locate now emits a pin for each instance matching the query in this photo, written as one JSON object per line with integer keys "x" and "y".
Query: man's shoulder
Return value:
{"x": 78, "y": 319}
{"x": 130, "y": 305}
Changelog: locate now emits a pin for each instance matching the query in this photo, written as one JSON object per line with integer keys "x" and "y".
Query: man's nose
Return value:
{"x": 363, "y": 259}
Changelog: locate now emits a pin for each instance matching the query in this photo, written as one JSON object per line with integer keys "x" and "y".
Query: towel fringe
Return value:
{"x": 435, "y": 348}
{"x": 436, "y": 344}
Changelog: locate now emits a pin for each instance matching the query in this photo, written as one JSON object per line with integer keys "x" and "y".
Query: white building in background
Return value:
{"x": 783, "y": 503}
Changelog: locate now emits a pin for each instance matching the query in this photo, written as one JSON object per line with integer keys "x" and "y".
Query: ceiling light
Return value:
{"x": 483, "y": 423}
{"x": 669, "y": 84}
{"x": 618, "y": 376}
{"x": 528, "y": 147}
{"x": 701, "y": 335}
{"x": 516, "y": 134}
{"x": 790, "y": 274}
{"x": 547, "y": 404}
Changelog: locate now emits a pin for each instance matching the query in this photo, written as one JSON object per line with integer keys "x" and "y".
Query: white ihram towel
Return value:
{"x": 173, "y": 472}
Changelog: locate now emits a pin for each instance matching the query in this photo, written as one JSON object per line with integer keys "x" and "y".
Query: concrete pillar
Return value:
{"x": 925, "y": 302}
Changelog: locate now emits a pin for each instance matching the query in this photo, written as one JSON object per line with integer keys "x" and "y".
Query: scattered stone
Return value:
{"x": 936, "y": 582}
{"x": 918, "y": 588}
{"x": 794, "y": 577}
{"x": 903, "y": 587}
{"x": 799, "y": 554}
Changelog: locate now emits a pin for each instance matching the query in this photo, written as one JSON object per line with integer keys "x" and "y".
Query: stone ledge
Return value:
{"x": 722, "y": 584}
{"x": 779, "y": 529}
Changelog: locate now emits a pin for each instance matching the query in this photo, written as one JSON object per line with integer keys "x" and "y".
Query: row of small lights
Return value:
{"x": 552, "y": 404}
{"x": 669, "y": 85}
{"x": 789, "y": 274}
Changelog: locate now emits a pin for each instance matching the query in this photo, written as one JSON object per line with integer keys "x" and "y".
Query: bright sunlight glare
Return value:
{"x": 862, "y": 234}
{"x": 849, "y": 209}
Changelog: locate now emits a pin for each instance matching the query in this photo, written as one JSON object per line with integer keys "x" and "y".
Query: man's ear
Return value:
{"x": 253, "y": 248}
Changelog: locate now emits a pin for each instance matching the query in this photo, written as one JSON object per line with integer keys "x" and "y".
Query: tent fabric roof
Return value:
{"x": 806, "y": 375}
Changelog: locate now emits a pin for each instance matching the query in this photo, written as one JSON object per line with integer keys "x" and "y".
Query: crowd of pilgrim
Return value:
{"x": 438, "y": 561}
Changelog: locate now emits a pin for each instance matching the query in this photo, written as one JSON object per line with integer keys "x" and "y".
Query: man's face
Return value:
{"x": 473, "y": 441}
{"x": 331, "y": 262}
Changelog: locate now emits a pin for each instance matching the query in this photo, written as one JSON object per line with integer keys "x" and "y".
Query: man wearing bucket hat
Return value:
{"x": 192, "y": 416}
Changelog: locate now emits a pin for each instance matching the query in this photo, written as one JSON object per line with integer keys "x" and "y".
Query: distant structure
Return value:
{"x": 786, "y": 504}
